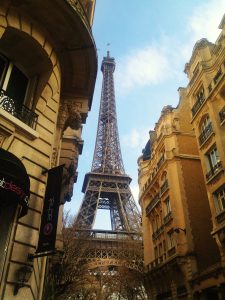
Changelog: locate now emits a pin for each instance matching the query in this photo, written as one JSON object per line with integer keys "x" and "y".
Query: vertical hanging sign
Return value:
{"x": 49, "y": 220}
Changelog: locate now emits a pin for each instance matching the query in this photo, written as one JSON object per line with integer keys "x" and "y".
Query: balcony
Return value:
{"x": 152, "y": 204}
{"x": 222, "y": 115}
{"x": 220, "y": 217}
{"x": 157, "y": 232}
{"x": 78, "y": 7}
{"x": 164, "y": 187}
{"x": 160, "y": 162}
{"x": 168, "y": 217}
{"x": 205, "y": 134}
{"x": 171, "y": 251}
{"x": 197, "y": 105}
{"x": 214, "y": 171}
{"x": 22, "y": 113}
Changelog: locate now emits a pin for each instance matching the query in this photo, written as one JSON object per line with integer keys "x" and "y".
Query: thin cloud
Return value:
{"x": 135, "y": 139}
{"x": 135, "y": 192}
{"x": 205, "y": 20}
{"x": 142, "y": 67}
{"x": 159, "y": 62}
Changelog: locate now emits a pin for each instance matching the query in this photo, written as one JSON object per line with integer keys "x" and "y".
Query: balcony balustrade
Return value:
{"x": 205, "y": 133}
{"x": 22, "y": 112}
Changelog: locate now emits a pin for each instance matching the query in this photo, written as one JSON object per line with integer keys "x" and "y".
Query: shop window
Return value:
{"x": 219, "y": 198}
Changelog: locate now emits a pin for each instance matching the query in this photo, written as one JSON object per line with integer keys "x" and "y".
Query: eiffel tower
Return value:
{"x": 107, "y": 186}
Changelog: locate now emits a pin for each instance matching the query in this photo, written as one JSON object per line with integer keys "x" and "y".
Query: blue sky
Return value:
{"x": 151, "y": 40}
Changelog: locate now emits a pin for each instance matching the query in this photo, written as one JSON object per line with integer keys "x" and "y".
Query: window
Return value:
{"x": 160, "y": 249}
{"x": 170, "y": 240}
{"x": 156, "y": 252}
{"x": 213, "y": 162}
{"x": 219, "y": 197}
{"x": 13, "y": 92}
{"x": 199, "y": 100}
{"x": 167, "y": 206}
{"x": 200, "y": 96}
{"x": 205, "y": 130}
{"x": 13, "y": 82}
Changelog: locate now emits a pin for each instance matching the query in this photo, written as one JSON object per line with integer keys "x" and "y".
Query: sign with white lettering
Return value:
{"x": 49, "y": 220}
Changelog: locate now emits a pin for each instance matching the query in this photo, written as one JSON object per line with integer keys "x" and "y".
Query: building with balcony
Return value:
{"x": 175, "y": 210}
{"x": 206, "y": 94}
{"x": 48, "y": 67}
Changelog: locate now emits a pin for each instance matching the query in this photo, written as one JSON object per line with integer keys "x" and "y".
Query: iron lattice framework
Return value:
{"x": 108, "y": 187}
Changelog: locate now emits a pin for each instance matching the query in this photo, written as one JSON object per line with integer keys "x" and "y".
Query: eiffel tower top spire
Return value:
{"x": 107, "y": 155}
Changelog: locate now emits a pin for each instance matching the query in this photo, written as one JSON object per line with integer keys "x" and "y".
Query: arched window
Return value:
{"x": 13, "y": 83}
{"x": 24, "y": 70}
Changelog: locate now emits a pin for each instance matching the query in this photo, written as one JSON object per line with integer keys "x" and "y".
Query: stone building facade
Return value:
{"x": 48, "y": 67}
{"x": 181, "y": 180}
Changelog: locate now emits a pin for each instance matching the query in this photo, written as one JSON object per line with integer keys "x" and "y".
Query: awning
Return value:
{"x": 14, "y": 181}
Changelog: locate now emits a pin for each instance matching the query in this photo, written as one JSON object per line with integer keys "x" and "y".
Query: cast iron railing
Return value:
{"x": 214, "y": 170}
{"x": 197, "y": 105}
{"x": 205, "y": 133}
{"x": 22, "y": 113}
{"x": 164, "y": 187}
{"x": 150, "y": 206}
{"x": 222, "y": 115}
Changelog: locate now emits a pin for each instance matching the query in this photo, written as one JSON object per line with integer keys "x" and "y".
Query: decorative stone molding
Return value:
{"x": 69, "y": 115}
{"x": 69, "y": 177}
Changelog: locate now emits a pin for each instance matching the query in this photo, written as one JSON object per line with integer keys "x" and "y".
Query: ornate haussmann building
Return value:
{"x": 48, "y": 67}
{"x": 182, "y": 185}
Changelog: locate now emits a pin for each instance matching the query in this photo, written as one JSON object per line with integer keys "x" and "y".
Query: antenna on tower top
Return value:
{"x": 108, "y": 53}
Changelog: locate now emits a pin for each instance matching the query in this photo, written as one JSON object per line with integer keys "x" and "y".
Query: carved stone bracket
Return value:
{"x": 69, "y": 177}
{"x": 69, "y": 115}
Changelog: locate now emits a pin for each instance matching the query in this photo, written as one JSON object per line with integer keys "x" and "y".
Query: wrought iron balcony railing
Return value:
{"x": 168, "y": 217}
{"x": 160, "y": 162}
{"x": 164, "y": 186}
{"x": 151, "y": 205}
{"x": 22, "y": 113}
{"x": 222, "y": 114}
{"x": 205, "y": 133}
{"x": 157, "y": 232}
{"x": 197, "y": 105}
{"x": 214, "y": 170}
